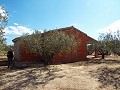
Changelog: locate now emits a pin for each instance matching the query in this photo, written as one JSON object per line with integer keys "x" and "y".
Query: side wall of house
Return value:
{"x": 75, "y": 55}
{"x": 27, "y": 56}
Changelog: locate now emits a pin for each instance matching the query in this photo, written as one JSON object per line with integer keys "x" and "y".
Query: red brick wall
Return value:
{"x": 79, "y": 54}
{"x": 25, "y": 55}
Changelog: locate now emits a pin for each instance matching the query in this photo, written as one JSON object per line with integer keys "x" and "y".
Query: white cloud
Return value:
{"x": 18, "y": 30}
{"x": 41, "y": 31}
{"x": 113, "y": 27}
{"x": 16, "y": 24}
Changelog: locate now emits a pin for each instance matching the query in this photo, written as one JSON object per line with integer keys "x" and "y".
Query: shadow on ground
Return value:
{"x": 39, "y": 76}
{"x": 34, "y": 76}
{"x": 3, "y": 63}
{"x": 100, "y": 61}
{"x": 94, "y": 61}
{"x": 109, "y": 76}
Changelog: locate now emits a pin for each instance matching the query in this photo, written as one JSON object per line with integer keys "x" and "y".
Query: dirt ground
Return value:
{"x": 95, "y": 74}
{"x": 3, "y": 58}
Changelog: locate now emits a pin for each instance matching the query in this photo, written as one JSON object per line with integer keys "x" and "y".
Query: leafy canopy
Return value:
{"x": 110, "y": 42}
{"x": 48, "y": 43}
{"x": 3, "y": 21}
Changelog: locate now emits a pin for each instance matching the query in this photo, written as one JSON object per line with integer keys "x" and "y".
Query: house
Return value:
{"x": 75, "y": 55}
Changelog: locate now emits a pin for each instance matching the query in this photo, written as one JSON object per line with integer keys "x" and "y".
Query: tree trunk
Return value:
{"x": 103, "y": 56}
{"x": 47, "y": 58}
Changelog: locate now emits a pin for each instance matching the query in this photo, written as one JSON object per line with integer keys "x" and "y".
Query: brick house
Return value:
{"x": 78, "y": 55}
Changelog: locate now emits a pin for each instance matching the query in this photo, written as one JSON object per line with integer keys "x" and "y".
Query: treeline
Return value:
{"x": 3, "y": 22}
{"x": 109, "y": 43}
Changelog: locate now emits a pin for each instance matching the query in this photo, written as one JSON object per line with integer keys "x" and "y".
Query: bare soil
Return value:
{"x": 95, "y": 74}
{"x": 3, "y": 58}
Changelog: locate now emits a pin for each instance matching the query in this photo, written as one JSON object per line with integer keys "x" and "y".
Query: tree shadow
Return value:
{"x": 31, "y": 76}
{"x": 109, "y": 76}
{"x": 3, "y": 63}
{"x": 100, "y": 61}
{"x": 94, "y": 61}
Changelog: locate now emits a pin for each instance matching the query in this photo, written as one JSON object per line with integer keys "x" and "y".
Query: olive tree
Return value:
{"x": 116, "y": 43}
{"x": 3, "y": 21}
{"x": 109, "y": 43}
{"x": 48, "y": 43}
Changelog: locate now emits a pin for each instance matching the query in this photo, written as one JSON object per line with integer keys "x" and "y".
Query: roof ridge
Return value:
{"x": 64, "y": 28}
{"x": 71, "y": 27}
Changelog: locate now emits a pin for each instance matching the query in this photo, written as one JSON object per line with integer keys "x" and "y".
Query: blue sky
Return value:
{"x": 90, "y": 16}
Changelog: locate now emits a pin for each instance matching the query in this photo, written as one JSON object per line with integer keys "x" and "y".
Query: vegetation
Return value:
{"x": 109, "y": 43}
{"x": 48, "y": 43}
{"x": 3, "y": 21}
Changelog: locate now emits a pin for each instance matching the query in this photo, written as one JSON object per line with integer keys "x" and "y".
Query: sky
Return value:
{"x": 90, "y": 16}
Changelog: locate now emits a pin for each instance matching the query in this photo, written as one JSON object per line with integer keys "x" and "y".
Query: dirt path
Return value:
{"x": 78, "y": 78}
{"x": 72, "y": 76}
{"x": 75, "y": 78}
{"x": 65, "y": 77}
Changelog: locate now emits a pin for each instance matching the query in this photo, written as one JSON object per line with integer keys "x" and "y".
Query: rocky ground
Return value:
{"x": 95, "y": 74}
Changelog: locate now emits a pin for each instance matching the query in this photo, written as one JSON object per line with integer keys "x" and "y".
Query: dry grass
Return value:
{"x": 84, "y": 75}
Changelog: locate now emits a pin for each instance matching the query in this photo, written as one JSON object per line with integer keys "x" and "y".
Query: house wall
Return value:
{"x": 79, "y": 54}
{"x": 27, "y": 56}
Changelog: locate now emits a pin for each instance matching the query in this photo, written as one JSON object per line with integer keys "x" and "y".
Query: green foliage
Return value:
{"x": 48, "y": 43}
{"x": 109, "y": 43}
{"x": 3, "y": 21}
{"x": 4, "y": 48}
